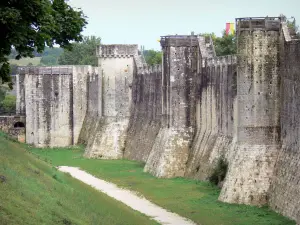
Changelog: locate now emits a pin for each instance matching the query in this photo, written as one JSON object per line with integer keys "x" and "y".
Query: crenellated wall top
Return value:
{"x": 117, "y": 51}
{"x": 220, "y": 60}
{"x": 146, "y": 69}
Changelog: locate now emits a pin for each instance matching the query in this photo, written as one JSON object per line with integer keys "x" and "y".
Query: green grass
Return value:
{"x": 24, "y": 61}
{"x": 192, "y": 199}
{"x": 32, "y": 192}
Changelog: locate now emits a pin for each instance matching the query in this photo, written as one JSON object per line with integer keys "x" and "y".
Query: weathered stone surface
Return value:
{"x": 215, "y": 99}
{"x": 55, "y": 103}
{"x": 114, "y": 96}
{"x": 171, "y": 147}
{"x": 145, "y": 113}
{"x": 258, "y": 120}
{"x": 14, "y": 126}
{"x": 285, "y": 190}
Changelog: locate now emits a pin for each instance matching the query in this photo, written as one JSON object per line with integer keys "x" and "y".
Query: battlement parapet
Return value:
{"x": 179, "y": 41}
{"x": 92, "y": 77}
{"x": 117, "y": 51}
{"x": 149, "y": 69}
{"x": 258, "y": 23}
{"x": 45, "y": 70}
{"x": 220, "y": 60}
{"x": 57, "y": 70}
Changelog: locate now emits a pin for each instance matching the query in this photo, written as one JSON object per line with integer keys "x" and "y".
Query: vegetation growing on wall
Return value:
{"x": 219, "y": 172}
{"x": 32, "y": 25}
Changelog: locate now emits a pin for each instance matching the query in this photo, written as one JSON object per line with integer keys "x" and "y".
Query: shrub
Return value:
{"x": 219, "y": 172}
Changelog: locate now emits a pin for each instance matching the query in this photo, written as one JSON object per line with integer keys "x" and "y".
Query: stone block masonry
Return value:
{"x": 182, "y": 117}
{"x": 14, "y": 126}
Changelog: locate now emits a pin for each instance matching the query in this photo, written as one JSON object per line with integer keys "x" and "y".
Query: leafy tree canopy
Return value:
{"x": 225, "y": 45}
{"x": 152, "y": 57}
{"x": 82, "y": 53}
{"x": 8, "y": 104}
{"x": 33, "y": 24}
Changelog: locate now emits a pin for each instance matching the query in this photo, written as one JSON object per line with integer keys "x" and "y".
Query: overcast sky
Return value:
{"x": 142, "y": 22}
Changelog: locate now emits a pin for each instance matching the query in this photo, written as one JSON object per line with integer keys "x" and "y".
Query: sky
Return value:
{"x": 142, "y": 22}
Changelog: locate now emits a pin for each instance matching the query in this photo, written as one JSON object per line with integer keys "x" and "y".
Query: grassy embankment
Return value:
{"x": 192, "y": 199}
{"x": 33, "y": 192}
{"x": 24, "y": 61}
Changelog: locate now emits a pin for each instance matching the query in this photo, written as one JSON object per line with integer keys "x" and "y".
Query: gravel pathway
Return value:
{"x": 127, "y": 197}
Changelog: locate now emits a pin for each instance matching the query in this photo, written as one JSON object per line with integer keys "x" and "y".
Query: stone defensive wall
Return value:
{"x": 285, "y": 187}
{"x": 180, "y": 118}
{"x": 54, "y": 101}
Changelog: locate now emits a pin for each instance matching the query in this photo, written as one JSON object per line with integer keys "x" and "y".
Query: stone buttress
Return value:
{"x": 170, "y": 151}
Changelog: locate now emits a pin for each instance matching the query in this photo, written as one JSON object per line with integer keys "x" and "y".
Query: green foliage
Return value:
{"x": 294, "y": 28}
{"x": 8, "y": 104}
{"x": 31, "y": 25}
{"x": 49, "y": 60}
{"x": 152, "y": 57}
{"x": 82, "y": 53}
{"x": 196, "y": 200}
{"x": 225, "y": 45}
{"x": 3, "y": 91}
{"x": 219, "y": 172}
{"x": 50, "y": 56}
{"x": 13, "y": 69}
{"x": 34, "y": 192}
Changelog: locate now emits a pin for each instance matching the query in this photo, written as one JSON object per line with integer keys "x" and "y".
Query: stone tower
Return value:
{"x": 118, "y": 66}
{"x": 258, "y": 121}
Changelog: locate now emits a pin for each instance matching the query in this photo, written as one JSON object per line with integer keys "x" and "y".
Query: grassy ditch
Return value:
{"x": 33, "y": 192}
{"x": 189, "y": 198}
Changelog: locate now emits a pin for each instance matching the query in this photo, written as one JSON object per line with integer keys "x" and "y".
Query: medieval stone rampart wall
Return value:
{"x": 215, "y": 108}
{"x": 145, "y": 112}
{"x": 182, "y": 117}
{"x": 285, "y": 190}
{"x": 55, "y": 103}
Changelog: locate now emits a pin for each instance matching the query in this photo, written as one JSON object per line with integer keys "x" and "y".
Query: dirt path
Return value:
{"x": 127, "y": 197}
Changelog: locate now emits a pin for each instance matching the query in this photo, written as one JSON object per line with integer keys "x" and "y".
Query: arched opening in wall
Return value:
{"x": 19, "y": 125}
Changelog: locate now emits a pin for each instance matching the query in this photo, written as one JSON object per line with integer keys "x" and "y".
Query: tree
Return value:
{"x": 49, "y": 60}
{"x": 50, "y": 56}
{"x": 13, "y": 69}
{"x": 152, "y": 57}
{"x": 293, "y": 27}
{"x": 30, "y": 25}
{"x": 8, "y": 104}
{"x": 225, "y": 45}
{"x": 82, "y": 53}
